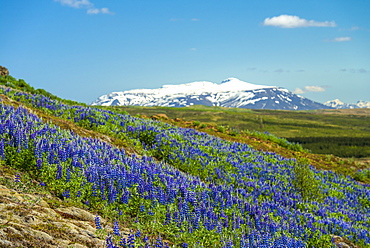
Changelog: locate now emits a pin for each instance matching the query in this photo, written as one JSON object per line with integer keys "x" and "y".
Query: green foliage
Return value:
{"x": 85, "y": 123}
{"x": 196, "y": 123}
{"x": 147, "y": 137}
{"x": 234, "y": 132}
{"x": 294, "y": 126}
{"x": 305, "y": 182}
{"x": 339, "y": 146}
{"x": 20, "y": 84}
{"x": 21, "y": 159}
{"x": 26, "y": 185}
{"x": 334, "y": 193}
{"x": 221, "y": 129}
{"x": 280, "y": 141}
{"x": 362, "y": 175}
{"x": 16, "y": 84}
{"x": 319, "y": 240}
{"x": 365, "y": 202}
{"x": 339, "y": 216}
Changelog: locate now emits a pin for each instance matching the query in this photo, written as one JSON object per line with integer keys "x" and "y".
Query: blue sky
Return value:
{"x": 82, "y": 49}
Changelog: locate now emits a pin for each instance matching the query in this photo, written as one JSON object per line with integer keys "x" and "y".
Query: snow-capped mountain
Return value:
{"x": 231, "y": 92}
{"x": 341, "y": 105}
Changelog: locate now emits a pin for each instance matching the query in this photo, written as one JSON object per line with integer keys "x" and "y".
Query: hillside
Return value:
{"x": 159, "y": 185}
{"x": 32, "y": 217}
{"x": 337, "y": 104}
{"x": 344, "y": 132}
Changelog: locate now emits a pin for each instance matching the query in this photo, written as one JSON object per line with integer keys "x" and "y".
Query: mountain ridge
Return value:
{"x": 231, "y": 92}
{"x": 338, "y": 104}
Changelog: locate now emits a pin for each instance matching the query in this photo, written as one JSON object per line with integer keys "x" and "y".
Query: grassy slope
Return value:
{"x": 321, "y": 161}
{"x": 219, "y": 115}
{"x": 335, "y": 128}
{"x": 31, "y": 216}
{"x": 282, "y": 123}
{"x": 325, "y": 162}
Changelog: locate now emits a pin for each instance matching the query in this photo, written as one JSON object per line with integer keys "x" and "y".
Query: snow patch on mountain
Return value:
{"x": 341, "y": 105}
{"x": 231, "y": 92}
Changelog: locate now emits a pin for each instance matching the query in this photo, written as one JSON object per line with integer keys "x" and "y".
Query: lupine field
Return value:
{"x": 181, "y": 188}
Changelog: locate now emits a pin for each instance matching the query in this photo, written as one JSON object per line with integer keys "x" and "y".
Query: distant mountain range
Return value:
{"x": 337, "y": 104}
{"x": 231, "y": 92}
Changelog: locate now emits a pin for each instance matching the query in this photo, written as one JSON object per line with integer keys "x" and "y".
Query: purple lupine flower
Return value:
{"x": 138, "y": 234}
{"x": 142, "y": 208}
{"x": 66, "y": 194}
{"x": 39, "y": 163}
{"x": 59, "y": 172}
{"x": 94, "y": 190}
{"x": 261, "y": 169}
{"x": 123, "y": 242}
{"x": 68, "y": 174}
{"x": 109, "y": 242}
{"x": 2, "y": 149}
{"x": 116, "y": 228}
{"x": 17, "y": 178}
{"x": 97, "y": 222}
{"x": 168, "y": 218}
{"x": 131, "y": 240}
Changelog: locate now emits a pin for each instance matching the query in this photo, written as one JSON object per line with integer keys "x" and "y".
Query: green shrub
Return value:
{"x": 203, "y": 125}
{"x": 20, "y": 84}
{"x": 305, "y": 182}
{"x": 362, "y": 175}
{"x": 196, "y": 123}
{"x": 147, "y": 137}
{"x": 234, "y": 132}
{"x": 221, "y": 129}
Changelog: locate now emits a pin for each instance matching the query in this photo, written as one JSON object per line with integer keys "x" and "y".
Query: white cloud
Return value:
{"x": 105, "y": 11}
{"x": 93, "y": 11}
{"x": 309, "y": 89}
{"x": 298, "y": 91}
{"x": 84, "y": 4}
{"x": 341, "y": 39}
{"x": 75, "y": 3}
{"x": 99, "y": 11}
{"x": 195, "y": 19}
{"x": 354, "y": 28}
{"x": 290, "y": 21}
{"x": 314, "y": 89}
{"x": 192, "y": 49}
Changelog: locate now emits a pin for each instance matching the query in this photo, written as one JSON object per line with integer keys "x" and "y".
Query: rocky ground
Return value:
{"x": 34, "y": 219}
{"x": 4, "y": 71}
